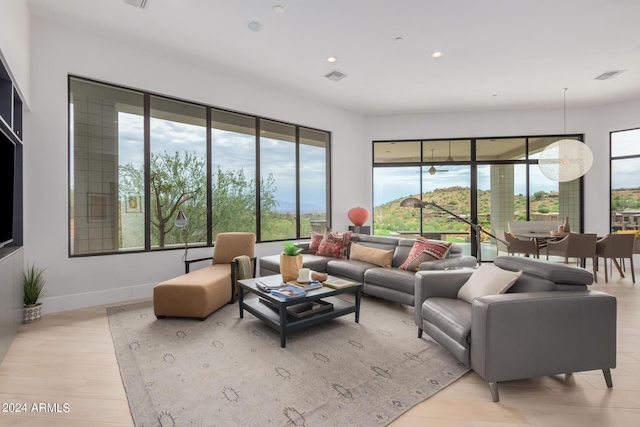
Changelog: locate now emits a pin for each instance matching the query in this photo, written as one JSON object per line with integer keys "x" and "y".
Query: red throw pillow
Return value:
{"x": 335, "y": 244}
{"x": 425, "y": 250}
{"x": 316, "y": 239}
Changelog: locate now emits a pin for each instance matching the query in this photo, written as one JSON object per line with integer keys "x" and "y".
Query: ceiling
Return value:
{"x": 497, "y": 54}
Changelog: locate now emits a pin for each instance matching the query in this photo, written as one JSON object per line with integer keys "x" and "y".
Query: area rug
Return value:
{"x": 227, "y": 371}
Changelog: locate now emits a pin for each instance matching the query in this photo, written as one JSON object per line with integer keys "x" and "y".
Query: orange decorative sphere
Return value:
{"x": 358, "y": 216}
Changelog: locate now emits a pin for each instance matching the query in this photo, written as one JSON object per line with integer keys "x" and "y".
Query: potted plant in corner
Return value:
{"x": 33, "y": 284}
{"x": 290, "y": 261}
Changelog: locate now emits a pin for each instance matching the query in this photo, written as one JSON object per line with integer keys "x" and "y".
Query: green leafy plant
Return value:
{"x": 33, "y": 283}
{"x": 291, "y": 249}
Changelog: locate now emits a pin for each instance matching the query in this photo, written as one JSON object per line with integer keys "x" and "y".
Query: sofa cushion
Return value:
{"x": 400, "y": 280}
{"x": 438, "y": 249}
{"x": 425, "y": 250}
{"x": 529, "y": 283}
{"x": 334, "y": 244}
{"x": 348, "y": 268}
{"x": 451, "y": 316}
{"x": 557, "y": 273}
{"x": 316, "y": 239}
{"x": 487, "y": 280}
{"x": 375, "y": 256}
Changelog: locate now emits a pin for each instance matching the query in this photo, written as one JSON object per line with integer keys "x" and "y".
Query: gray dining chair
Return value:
{"x": 575, "y": 245}
{"x": 616, "y": 246}
{"x": 515, "y": 245}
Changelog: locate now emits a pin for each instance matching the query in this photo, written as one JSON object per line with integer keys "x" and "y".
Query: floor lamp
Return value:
{"x": 413, "y": 202}
{"x": 182, "y": 222}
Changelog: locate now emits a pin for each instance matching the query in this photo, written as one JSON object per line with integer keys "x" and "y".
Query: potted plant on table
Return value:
{"x": 33, "y": 285}
{"x": 290, "y": 261}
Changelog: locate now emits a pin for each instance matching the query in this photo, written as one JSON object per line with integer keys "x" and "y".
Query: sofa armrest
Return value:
{"x": 528, "y": 335}
{"x": 437, "y": 283}
{"x": 303, "y": 245}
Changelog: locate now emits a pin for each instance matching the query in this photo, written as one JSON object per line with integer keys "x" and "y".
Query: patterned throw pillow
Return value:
{"x": 335, "y": 244}
{"x": 436, "y": 248}
{"x": 316, "y": 239}
{"x": 425, "y": 250}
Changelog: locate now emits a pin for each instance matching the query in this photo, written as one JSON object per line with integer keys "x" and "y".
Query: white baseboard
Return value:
{"x": 89, "y": 299}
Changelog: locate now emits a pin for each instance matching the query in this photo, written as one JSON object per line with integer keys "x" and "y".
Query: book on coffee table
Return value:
{"x": 313, "y": 284}
{"x": 288, "y": 292}
{"x": 337, "y": 283}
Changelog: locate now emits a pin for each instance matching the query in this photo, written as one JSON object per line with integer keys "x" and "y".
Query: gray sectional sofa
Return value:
{"x": 547, "y": 323}
{"x": 393, "y": 284}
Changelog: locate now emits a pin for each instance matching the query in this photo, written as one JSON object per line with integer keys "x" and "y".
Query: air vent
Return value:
{"x": 609, "y": 74}
{"x": 136, "y": 3}
{"x": 335, "y": 75}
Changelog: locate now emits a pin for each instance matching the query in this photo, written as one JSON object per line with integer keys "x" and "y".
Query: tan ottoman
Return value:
{"x": 196, "y": 294}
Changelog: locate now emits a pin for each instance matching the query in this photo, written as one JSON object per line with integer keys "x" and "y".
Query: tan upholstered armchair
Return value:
{"x": 200, "y": 292}
{"x": 516, "y": 246}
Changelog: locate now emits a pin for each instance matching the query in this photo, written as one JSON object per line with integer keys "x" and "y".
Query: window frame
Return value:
{"x": 473, "y": 164}
{"x": 146, "y": 142}
{"x": 612, "y": 159}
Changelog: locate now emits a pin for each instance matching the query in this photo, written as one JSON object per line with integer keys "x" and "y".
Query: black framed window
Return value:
{"x": 136, "y": 159}
{"x": 490, "y": 181}
{"x": 625, "y": 181}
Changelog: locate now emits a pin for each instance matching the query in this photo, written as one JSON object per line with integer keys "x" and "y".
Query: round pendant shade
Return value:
{"x": 565, "y": 160}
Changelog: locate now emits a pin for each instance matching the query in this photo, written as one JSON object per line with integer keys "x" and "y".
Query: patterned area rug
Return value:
{"x": 228, "y": 371}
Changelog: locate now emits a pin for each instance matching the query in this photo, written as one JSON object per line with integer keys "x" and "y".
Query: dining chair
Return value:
{"x": 575, "y": 245}
{"x": 515, "y": 245}
{"x": 615, "y": 246}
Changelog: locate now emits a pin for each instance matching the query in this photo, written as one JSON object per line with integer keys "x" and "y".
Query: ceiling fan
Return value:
{"x": 432, "y": 169}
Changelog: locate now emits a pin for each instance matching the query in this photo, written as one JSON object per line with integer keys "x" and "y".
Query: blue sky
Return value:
{"x": 233, "y": 151}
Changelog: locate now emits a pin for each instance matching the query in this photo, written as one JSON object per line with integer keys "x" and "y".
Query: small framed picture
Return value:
{"x": 132, "y": 204}
{"x": 98, "y": 207}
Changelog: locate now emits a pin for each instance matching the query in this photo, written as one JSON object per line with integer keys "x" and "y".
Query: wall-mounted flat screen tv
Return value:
{"x": 7, "y": 168}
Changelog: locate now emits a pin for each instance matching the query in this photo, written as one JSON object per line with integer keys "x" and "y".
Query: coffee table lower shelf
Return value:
{"x": 272, "y": 317}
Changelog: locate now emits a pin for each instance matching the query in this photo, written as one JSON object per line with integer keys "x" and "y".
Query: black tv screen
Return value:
{"x": 7, "y": 167}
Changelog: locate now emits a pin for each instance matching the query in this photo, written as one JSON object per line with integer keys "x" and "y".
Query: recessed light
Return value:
{"x": 278, "y": 9}
{"x": 331, "y": 59}
{"x": 399, "y": 39}
{"x": 436, "y": 54}
{"x": 494, "y": 95}
{"x": 255, "y": 26}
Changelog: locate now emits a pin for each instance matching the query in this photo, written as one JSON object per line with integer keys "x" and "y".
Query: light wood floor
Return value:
{"x": 69, "y": 358}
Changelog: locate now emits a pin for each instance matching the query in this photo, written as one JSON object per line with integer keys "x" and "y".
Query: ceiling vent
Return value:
{"x": 609, "y": 75}
{"x": 335, "y": 75}
{"x": 137, "y": 3}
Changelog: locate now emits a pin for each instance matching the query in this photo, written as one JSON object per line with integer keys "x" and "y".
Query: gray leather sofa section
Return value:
{"x": 548, "y": 323}
{"x": 392, "y": 283}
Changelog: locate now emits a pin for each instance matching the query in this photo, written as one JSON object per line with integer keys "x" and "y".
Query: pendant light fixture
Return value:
{"x": 566, "y": 159}
{"x": 449, "y": 159}
{"x": 432, "y": 169}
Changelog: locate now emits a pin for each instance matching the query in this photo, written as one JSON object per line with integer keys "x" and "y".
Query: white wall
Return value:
{"x": 595, "y": 123}
{"x": 58, "y": 51}
{"x": 14, "y": 43}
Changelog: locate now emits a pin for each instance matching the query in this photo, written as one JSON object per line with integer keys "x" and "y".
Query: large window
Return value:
{"x": 486, "y": 181}
{"x": 625, "y": 181}
{"x": 138, "y": 159}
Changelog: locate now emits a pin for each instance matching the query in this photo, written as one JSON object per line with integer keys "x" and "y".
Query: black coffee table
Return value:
{"x": 277, "y": 317}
